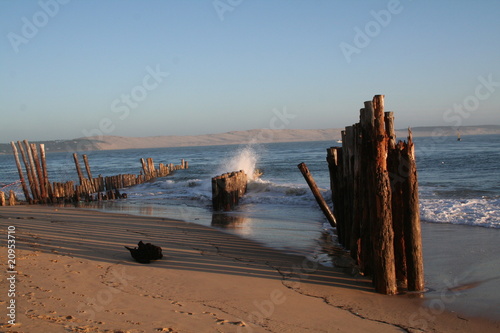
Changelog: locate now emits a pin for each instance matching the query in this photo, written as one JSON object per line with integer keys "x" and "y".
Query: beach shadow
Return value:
{"x": 186, "y": 246}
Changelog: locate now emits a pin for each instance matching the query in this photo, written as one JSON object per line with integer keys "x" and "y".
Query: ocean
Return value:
{"x": 459, "y": 187}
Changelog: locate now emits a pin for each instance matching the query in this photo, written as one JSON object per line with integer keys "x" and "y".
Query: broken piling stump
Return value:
{"x": 227, "y": 189}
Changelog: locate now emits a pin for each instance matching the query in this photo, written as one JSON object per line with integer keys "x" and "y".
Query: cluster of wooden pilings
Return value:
{"x": 375, "y": 197}
{"x": 227, "y": 189}
{"x": 89, "y": 188}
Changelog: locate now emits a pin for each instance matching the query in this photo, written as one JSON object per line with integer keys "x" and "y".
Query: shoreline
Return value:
{"x": 73, "y": 272}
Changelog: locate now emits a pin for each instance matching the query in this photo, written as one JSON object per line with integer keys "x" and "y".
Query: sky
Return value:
{"x": 76, "y": 68}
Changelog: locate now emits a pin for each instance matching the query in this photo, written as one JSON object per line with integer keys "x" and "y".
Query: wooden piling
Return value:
{"x": 87, "y": 166}
{"x": 317, "y": 194}
{"x": 2, "y": 199}
{"x": 227, "y": 189}
{"x": 365, "y": 255}
{"x": 39, "y": 172}
{"x": 21, "y": 174}
{"x": 35, "y": 187}
{"x": 412, "y": 228}
{"x": 12, "y": 198}
{"x": 383, "y": 235}
{"x": 78, "y": 169}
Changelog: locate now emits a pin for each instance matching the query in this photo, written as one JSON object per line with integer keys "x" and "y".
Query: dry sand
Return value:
{"x": 74, "y": 275}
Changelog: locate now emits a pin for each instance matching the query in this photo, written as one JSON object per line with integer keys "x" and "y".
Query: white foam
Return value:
{"x": 478, "y": 212}
{"x": 244, "y": 159}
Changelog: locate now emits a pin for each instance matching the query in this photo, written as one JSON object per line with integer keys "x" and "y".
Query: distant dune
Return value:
{"x": 237, "y": 137}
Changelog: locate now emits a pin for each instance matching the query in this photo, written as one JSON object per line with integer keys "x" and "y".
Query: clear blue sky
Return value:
{"x": 73, "y": 68}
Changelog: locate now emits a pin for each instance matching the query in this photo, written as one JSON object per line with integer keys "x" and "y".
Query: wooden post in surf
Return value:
{"x": 45, "y": 171}
{"x": 87, "y": 166}
{"x": 78, "y": 169}
{"x": 412, "y": 228}
{"x": 227, "y": 189}
{"x": 21, "y": 174}
{"x": 39, "y": 171}
{"x": 92, "y": 187}
{"x": 317, "y": 194}
{"x": 28, "y": 171}
{"x": 35, "y": 188}
{"x": 334, "y": 159}
{"x": 382, "y": 234}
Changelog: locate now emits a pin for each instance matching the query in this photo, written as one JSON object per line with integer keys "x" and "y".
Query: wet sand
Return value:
{"x": 74, "y": 274}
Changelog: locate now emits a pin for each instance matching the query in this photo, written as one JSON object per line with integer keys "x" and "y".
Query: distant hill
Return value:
{"x": 236, "y": 137}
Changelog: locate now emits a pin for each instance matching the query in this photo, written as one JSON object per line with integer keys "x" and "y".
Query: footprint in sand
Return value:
{"x": 224, "y": 322}
{"x": 184, "y": 312}
{"x": 176, "y": 303}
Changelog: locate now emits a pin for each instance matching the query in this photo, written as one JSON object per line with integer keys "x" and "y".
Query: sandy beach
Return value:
{"x": 73, "y": 274}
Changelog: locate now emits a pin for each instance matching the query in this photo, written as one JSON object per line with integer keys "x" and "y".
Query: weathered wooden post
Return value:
{"x": 317, "y": 194}
{"x": 365, "y": 256}
{"x": 383, "y": 235}
{"x": 334, "y": 159}
{"x": 393, "y": 167}
{"x": 12, "y": 198}
{"x": 21, "y": 174}
{"x": 412, "y": 228}
{"x": 78, "y": 169}
{"x": 227, "y": 189}
{"x": 2, "y": 199}
{"x": 45, "y": 171}
{"x": 36, "y": 186}
{"x": 28, "y": 171}
{"x": 41, "y": 180}
{"x": 87, "y": 165}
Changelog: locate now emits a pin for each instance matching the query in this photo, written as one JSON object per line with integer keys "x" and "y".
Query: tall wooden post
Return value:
{"x": 45, "y": 171}
{"x": 87, "y": 166}
{"x": 366, "y": 119}
{"x": 78, "y": 169}
{"x": 21, "y": 174}
{"x": 383, "y": 235}
{"x": 36, "y": 186}
{"x": 28, "y": 171}
{"x": 39, "y": 171}
{"x": 412, "y": 228}
{"x": 393, "y": 167}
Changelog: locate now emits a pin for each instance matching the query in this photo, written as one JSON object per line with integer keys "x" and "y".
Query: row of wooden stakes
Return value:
{"x": 38, "y": 188}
